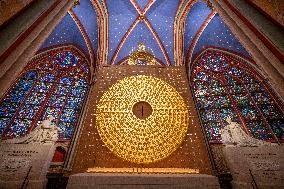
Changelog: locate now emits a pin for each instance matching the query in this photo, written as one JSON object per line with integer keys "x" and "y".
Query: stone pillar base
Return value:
{"x": 141, "y": 181}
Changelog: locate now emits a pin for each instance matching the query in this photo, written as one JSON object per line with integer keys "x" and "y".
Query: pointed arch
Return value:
{"x": 54, "y": 83}
{"x": 224, "y": 85}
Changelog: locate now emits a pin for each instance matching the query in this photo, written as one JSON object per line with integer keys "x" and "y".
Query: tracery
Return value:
{"x": 224, "y": 85}
{"x": 54, "y": 83}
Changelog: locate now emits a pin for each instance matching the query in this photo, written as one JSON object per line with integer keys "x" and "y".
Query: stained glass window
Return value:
{"x": 224, "y": 85}
{"x": 54, "y": 83}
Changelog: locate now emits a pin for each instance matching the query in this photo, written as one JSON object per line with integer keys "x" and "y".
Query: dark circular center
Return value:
{"x": 142, "y": 110}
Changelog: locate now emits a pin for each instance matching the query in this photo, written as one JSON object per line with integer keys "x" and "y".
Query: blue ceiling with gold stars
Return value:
{"x": 149, "y": 21}
{"x": 195, "y": 18}
{"x": 203, "y": 31}
{"x": 68, "y": 32}
{"x": 217, "y": 34}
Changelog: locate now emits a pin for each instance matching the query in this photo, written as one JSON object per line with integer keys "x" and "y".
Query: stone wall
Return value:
{"x": 9, "y": 8}
{"x": 273, "y": 8}
{"x": 256, "y": 167}
{"x": 24, "y": 161}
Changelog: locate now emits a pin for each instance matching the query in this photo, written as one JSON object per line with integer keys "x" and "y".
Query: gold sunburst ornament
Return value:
{"x": 142, "y": 57}
{"x": 142, "y": 119}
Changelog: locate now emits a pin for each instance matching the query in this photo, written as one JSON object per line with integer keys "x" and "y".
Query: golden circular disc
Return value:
{"x": 151, "y": 136}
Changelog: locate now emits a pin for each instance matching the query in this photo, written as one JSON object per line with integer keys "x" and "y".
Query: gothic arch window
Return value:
{"x": 54, "y": 83}
{"x": 225, "y": 85}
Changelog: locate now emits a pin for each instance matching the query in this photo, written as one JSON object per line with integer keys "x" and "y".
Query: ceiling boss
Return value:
{"x": 142, "y": 119}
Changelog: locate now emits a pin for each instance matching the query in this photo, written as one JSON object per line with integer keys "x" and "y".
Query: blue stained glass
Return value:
{"x": 235, "y": 71}
{"x": 200, "y": 89}
{"x": 85, "y": 68}
{"x": 48, "y": 78}
{"x": 261, "y": 98}
{"x": 66, "y": 130}
{"x": 42, "y": 86}
{"x": 213, "y": 102}
{"x": 248, "y": 79}
{"x": 236, "y": 89}
{"x": 36, "y": 98}
{"x": 66, "y": 81}
{"x": 204, "y": 102}
{"x": 3, "y": 124}
{"x": 203, "y": 76}
{"x": 28, "y": 111}
{"x": 19, "y": 127}
{"x": 61, "y": 90}
{"x": 68, "y": 115}
{"x": 79, "y": 92}
{"x": 214, "y": 83}
{"x": 259, "y": 130}
{"x": 32, "y": 75}
{"x": 217, "y": 90}
{"x": 227, "y": 78}
{"x": 254, "y": 87}
{"x": 271, "y": 111}
{"x": 74, "y": 102}
{"x": 231, "y": 80}
{"x": 16, "y": 96}
{"x": 8, "y": 109}
{"x": 249, "y": 113}
{"x": 229, "y": 112}
{"x": 50, "y": 89}
{"x": 57, "y": 101}
{"x": 70, "y": 59}
{"x": 80, "y": 83}
{"x": 277, "y": 127}
{"x": 66, "y": 59}
{"x": 242, "y": 100}
{"x": 51, "y": 111}
{"x": 210, "y": 115}
{"x": 222, "y": 101}
{"x": 24, "y": 85}
{"x": 217, "y": 63}
{"x": 213, "y": 131}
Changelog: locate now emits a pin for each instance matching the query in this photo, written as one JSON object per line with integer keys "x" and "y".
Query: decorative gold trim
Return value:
{"x": 135, "y": 170}
{"x": 142, "y": 57}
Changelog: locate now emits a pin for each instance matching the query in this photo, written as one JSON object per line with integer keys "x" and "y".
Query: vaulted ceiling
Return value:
{"x": 113, "y": 28}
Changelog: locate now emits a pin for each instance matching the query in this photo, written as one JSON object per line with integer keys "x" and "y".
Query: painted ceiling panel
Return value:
{"x": 66, "y": 32}
{"x": 196, "y": 16}
{"x": 142, "y": 3}
{"x": 217, "y": 34}
{"x": 87, "y": 15}
{"x": 140, "y": 33}
{"x": 161, "y": 16}
{"x": 121, "y": 15}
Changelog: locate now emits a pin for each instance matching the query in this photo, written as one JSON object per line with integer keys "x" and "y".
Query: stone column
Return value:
{"x": 14, "y": 63}
{"x": 267, "y": 63}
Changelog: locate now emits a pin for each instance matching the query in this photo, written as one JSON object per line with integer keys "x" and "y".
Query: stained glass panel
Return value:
{"x": 226, "y": 86}
{"x": 59, "y": 91}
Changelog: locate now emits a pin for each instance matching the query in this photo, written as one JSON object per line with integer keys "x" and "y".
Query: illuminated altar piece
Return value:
{"x": 136, "y": 129}
{"x": 141, "y": 56}
{"x": 46, "y": 132}
{"x": 232, "y": 134}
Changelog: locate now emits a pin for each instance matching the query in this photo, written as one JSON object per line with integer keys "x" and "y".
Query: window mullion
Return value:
{"x": 260, "y": 113}
{"x": 22, "y": 104}
{"x": 236, "y": 107}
